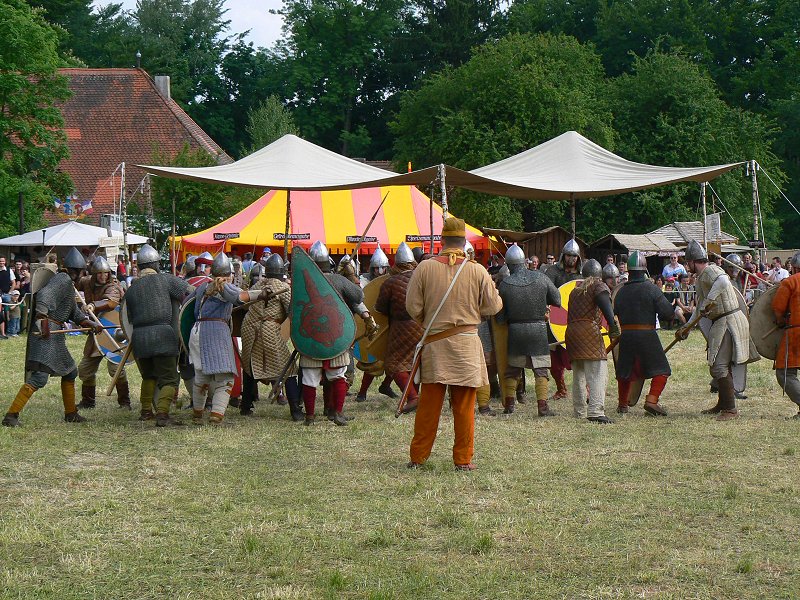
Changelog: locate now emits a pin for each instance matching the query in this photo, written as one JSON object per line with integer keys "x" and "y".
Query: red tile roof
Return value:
{"x": 115, "y": 116}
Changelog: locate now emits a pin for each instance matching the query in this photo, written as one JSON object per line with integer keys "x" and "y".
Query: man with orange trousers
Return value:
{"x": 452, "y": 354}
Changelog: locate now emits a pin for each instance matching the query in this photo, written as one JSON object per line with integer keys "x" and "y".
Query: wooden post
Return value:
{"x": 705, "y": 215}
{"x": 286, "y": 229}
{"x": 572, "y": 213}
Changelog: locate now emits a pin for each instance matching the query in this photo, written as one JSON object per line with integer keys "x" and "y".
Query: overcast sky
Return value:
{"x": 243, "y": 15}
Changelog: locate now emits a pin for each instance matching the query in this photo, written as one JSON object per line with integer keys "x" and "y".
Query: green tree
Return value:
{"x": 267, "y": 122}
{"x": 511, "y": 95}
{"x": 668, "y": 111}
{"x": 32, "y": 140}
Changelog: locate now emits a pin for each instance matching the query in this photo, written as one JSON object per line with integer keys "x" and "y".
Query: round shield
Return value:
{"x": 186, "y": 321}
{"x": 40, "y": 278}
{"x": 558, "y": 315}
{"x": 764, "y": 331}
{"x": 375, "y": 348}
{"x": 125, "y": 321}
{"x": 106, "y": 343}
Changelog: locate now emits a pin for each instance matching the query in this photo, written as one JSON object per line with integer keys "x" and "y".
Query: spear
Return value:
{"x": 363, "y": 235}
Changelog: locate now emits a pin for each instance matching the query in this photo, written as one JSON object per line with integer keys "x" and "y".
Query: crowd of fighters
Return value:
{"x": 453, "y": 327}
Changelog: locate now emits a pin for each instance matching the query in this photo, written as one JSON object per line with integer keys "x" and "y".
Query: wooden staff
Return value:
{"x": 676, "y": 340}
{"x": 282, "y": 378}
{"x": 76, "y": 330}
{"x": 747, "y": 273}
{"x": 404, "y": 398}
{"x": 120, "y": 367}
{"x": 265, "y": 298}
{"x": 366, "y": 230}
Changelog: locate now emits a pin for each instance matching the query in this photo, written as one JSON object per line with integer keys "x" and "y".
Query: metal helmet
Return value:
{"x": 147, "y": 255}
{"x": 469, "y": 248}
{"x": 256, "y": 272}
{"x": 735, "y": 259}
{"x": 610, "y": 271}
{"x": 695, "y": 251}
{"x": 204, "y": 259}
{"x": 274, "y": 265}
{"x": 319, "y": 253}
{"x": 100, "y": 265}
{"x": 571, "y": 248}
{"x": 795, "y": 260}
{"x": 189, "y": 265}
{"x": 418, "y": 253}
{"x": 591, "y": 268}
{"x": 379, "y": 260}
{"x": 74, "y": 259}
{"x": 221, "y": 266}
{"x": 515, "y": 255}
{"x": 404, "y": 254}
{"x": 637, "y": 261}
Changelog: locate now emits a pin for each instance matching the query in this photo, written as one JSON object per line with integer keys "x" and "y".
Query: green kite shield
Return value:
{"x": 322, "y": 325}
{"x": 186, "y": 321}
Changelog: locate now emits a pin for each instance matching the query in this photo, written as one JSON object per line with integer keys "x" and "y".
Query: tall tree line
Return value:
{"x": 676, "y": 82}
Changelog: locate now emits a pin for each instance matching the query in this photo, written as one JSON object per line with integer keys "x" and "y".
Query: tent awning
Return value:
{"x": 337, "y": 218}
{"x": 71, "y": 233}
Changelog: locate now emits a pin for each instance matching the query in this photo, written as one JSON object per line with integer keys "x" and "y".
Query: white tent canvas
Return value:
{"x": 70, "y": 233}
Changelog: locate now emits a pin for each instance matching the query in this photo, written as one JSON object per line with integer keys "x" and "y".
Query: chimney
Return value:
{"x": 162, "y": 85}
{"x": 138, "y": 60}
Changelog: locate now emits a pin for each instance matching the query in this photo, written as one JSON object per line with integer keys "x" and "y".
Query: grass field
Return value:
{"x": 682, "y": 507}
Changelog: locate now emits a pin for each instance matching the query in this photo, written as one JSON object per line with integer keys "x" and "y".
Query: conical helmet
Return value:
{"x": 418, "y": 252}
{"x": 274, "y": 265}
{"x": 100, "y": 265}
{"x": 379, "y": 259}
{"x": 515, "y": 255}
{"x": 204, "y": 259}
{"x": 795, "y": 260}
{"x": 610, "y": 271}
{"x": 221, "y": 266}
{"x": 571, "y": 248}
{"x": 255, "y": 273}
{"x": 319, "y": 253}
{"x": 735, "y": 259}
{"x": 147, "y": 255}
{"x": 469, "y": 248}
{"x": 637, "y": 261}
{"x": 74, "y": 259}
{"x": 403, "y": 254}
{"x": 695, "y": 252}
{"x": 189, "y": 266}
{"x": 591, "y": 268}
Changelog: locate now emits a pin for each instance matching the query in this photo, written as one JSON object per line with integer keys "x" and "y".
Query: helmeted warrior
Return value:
{"x": 786, "y": 307}
{"x": 610, "y": 275}
{"x": 149, "y": 302}
{"x": 469, "y": 250}
{"x": 189, "y": 267}
{"x": 588, "y": 302}
{"x": 378, "y": 265}
{"x": 526, "y": 296}
{"x": 202, "y": 263}
{"x": 333, "y": 369}
{"x": 264, "y": 352}
{"x": 418, "y": 253}
{"x": 210, "y": 344}
{"x": 733, "y": 272}
{"x": 568, "y": 268}
{"x": 641, "y": 356}
{"x": 349, "y": 269}
{"x": 728, "y": 336}
{"x": 404, "y": 332}
{"x": 47, "y": 354}
{"x": 102, "y": 293}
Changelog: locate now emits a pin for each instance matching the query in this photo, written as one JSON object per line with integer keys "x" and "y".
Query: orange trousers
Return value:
{"x": 426, "y": 421}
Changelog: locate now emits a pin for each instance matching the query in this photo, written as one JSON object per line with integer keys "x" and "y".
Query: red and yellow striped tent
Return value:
{"x": 337, "y": 218}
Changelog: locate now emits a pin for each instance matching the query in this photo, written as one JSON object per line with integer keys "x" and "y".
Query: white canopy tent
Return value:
{"x": 70, "y": 233}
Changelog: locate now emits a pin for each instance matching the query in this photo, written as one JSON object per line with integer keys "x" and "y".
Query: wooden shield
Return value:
{"x": 764, "y": 330}
{"x": 558, "y": 315}
{"x": 376, "y": 348}
{"x": 125, "y": 320}
{"x": 39, "y": 279}
{"x": 105, "y": 342}
{"x": 322, "y": 325}
{"x": 186, "y": 321}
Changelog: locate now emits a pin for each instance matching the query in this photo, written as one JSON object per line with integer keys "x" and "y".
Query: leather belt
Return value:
{"x": 638, "y": 327}
{"x": 206, "y": 319}
{"x": 451, "y": 332}
{"x": 725, "y": 314}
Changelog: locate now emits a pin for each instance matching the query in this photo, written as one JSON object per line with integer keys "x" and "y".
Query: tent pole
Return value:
{"x": 430, "y": 215}
{"x": 443, "y": 190}
{"x": 286, "y": 229}
{"x": 705, "y": 217}
{"x": 174, "y": 258}
{"x": 572, "y": 213}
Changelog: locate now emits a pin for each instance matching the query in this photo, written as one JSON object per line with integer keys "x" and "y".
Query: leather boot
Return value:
{"x": 340, "y": 419}
{"x": 521, "y": 389}
{"x": 197, "y": 416}
{"x": 146, "y": 415}
{"x": 544, "y": 409}
{"x": 487, "y": 411}
{"x": 11, "y": 420}
{"x": 508, "y": 405}
{"x": 87, "y": 396}
{"x": 23, "y": 395}
{"x": 561, "y": 389}
{"x": 68, "y": 398}
{"x": 123, "y": 395}
{"x": 652, "y": 407}
{"x": 727, "y": 399}
{"x": 295, "y": 410}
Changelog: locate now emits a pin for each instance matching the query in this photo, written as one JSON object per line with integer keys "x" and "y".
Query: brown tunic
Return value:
{"x": 404, "y": 332}
{"x": 787, "y": 300}
{"x": 93, "y": 292}
{"x": 583, "y": 337}
{"x": 458, "y": 359}
{"x": 264, "y": 352}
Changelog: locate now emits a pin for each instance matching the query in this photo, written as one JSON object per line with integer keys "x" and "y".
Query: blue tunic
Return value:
{"x": 216, "y": 345}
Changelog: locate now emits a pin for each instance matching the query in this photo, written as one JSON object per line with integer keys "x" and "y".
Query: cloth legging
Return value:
{"x": 218, "y": 386}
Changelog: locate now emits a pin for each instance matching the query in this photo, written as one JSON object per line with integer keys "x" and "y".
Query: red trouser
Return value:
{"x": 401, "y": 379}
{"x": 657, "y": 384}
{"x": 426, "y": 422}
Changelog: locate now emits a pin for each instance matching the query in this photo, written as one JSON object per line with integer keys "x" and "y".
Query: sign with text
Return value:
{"x": 226, "y": 236}
{"x": 354, "y": 239}
{"x": 755, "y": 243}
{"x": 292, "y": 236}
{"x": 423, "y": 238}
